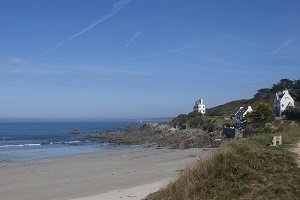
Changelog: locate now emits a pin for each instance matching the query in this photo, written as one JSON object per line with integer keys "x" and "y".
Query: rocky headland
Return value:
{"x": 161, "y": 135}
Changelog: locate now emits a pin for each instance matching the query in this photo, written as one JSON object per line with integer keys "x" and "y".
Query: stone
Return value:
{"x": 277, "y": 140}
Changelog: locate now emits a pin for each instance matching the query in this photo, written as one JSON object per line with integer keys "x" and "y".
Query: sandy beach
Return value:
{"x": 130, "y": 174}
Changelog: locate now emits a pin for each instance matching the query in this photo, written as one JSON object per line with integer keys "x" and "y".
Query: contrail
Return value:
{"x": 136, "y": 34}
{"x": 117, "y": 7}
{"x": 167, "y": 52}
{"x": 285, "y": 44}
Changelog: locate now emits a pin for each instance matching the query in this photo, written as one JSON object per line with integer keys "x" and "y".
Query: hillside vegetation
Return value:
{"x": 229, "y": 109}
{"x": 197, "y": 121}
{"x": 262, "y": 95}
{"x": 248, "y": 168}
{"x": 215, "y": 117}
{"x": 243, "y": 169}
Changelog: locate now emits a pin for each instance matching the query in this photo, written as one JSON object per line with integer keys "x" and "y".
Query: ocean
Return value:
{"x": 36, "y": 140}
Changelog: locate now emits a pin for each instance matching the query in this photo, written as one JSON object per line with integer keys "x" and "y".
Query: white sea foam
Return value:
{"x": 72, "y": 142}
{"x": 39, "y": 144}
{"x": 18, "y": 145}
{"x": 32, "y": 145}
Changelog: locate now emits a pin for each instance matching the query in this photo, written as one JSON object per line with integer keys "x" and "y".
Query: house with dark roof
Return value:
{"x": 282, "y": 102}
{"x": 239, "y": 116}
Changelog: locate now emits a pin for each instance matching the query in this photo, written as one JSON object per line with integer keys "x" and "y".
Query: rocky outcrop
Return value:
{"x": 161, "y": 135}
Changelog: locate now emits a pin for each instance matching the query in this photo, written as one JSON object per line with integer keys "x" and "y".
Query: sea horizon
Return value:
{"x": 67, "y": 119}
{"x": 31, "y": 140}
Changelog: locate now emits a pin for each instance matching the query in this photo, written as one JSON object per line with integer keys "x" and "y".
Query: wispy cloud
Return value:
{"x": 283, "y": 45}
{"x": 35, "y": 70}
{"x": 117, "y": 7}
{"x": 136, "y": 35}
{"x": 235, "y": 37}
{"x": 18, "y": 61}
{"x": 8, "y": 65}
{"x": 161, "y": 53}
{"x": 241, "y": 40}
{"x": 12, "y": 61}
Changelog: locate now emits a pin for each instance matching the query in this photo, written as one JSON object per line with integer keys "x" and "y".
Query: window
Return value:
{"x": 282, "y": 105}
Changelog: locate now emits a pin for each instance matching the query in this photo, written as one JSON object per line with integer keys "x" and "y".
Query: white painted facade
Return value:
{"x": 280, "y": 104}
{"x": 199, "y": 106}
{"x": 240, "y": 115}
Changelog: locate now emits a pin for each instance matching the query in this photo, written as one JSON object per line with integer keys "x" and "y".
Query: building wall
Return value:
{"x": 285, "y": 100}
{"x": 200, "y": 109}
{"x": 200, "y": 106}
{"x": 276, "y": 107}
{"x": 240, "y": 117}
{"x": 280, "y": 105}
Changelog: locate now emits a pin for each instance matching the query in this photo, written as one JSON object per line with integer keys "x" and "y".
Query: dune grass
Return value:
{"x": 243, "y": 169}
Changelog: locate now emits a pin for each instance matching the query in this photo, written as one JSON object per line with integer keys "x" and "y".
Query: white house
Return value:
{"x": 199, "y": 106}
{"x": 283, "y": 101}
{"x": 240, "y": 115}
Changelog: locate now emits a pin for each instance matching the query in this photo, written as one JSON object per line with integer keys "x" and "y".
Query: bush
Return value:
{"x": 262, "y": 113}
{"x": 194, "y": 115}
{"x": 292, "y": 114}
{"x": 269, "y": 128}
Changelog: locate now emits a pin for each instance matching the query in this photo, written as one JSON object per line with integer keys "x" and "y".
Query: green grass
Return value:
{"x": 197, "y": 121}
{"x": 230, "y": 108}
{"x": 227, "y": 109}
{"x": 288, "y": 129}
{"x": 291, "y": 137}
{"x": 242, "y": 169}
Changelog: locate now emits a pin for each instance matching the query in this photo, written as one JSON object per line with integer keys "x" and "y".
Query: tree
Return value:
{"x": 292, "y": 114}
{"x": 263, "y": 93}
{"x": 297, "y": 90}
{"x": 283, "y": 84}
{"x": 262, "y": 113}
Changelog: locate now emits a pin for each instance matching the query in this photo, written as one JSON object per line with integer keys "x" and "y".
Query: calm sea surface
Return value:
{"x": 36, "y": 140}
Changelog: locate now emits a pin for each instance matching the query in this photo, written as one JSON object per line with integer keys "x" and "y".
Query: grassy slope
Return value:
{"x": 216, "y": 116}
{"x": 243, "y": 169}
{"x": 232, "y": 107}
{"x": 227, "y": 109}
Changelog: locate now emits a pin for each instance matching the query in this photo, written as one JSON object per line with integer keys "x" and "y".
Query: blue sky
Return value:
{"x": 141, "y": 58}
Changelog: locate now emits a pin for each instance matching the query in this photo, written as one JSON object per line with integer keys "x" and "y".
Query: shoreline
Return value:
{"x": 32, "y": 154}
{"x": 88, "y": 176}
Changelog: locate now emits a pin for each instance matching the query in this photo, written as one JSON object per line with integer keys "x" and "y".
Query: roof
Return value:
{"x": 242, "y": 110}
{"x": 280, "y": 94}
{"x": 199, "y": 102}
